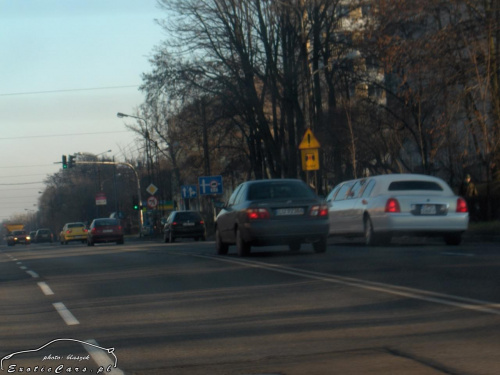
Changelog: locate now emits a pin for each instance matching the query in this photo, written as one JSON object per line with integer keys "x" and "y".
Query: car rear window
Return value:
{"x": 414, "y": 185}
{"x": 104, "y": 223}
{"x": 185, "y": 216}
{"x": 75, "y": 225}
{"x": 279, "y": 190}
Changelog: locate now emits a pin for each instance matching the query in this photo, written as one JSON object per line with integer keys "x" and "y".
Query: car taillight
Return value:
{"x": 68, "y": 231}
{"x": 202, "y": 222}
{"x": 462, "y": 205}
{"x": 174, "y": 223}
{"x": 319, "y": 210}
{"x": 258, "y": 213}
{"x": 392, "y": 205}
{"x": 93, "y": 230}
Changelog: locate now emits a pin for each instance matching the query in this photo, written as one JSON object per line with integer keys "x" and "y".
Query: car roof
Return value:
{"x": 383, "y": 181}
{"x": 274, "y": 180}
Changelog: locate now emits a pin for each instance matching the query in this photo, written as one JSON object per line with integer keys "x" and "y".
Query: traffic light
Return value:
{"x": 64, "y": 162}
{"x": 71, "y": 161}
{"x": 135, "y": 202}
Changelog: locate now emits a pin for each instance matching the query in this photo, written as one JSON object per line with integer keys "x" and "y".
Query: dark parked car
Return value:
{"x": 105, "y": 230}
{"x": 43, "y": 235}
{"x": 272, "y": 212}
{"x": 184, "y": 224}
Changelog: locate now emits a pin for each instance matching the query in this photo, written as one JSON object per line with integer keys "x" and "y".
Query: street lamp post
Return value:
{"x": 147, "y": 138}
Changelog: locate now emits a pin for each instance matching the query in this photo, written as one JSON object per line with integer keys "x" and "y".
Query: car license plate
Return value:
{"x": 188, "y": 224}
{"x": 289, "y": 211}
{"x": 428, "y": 209}
{"x": 107, "y": 231}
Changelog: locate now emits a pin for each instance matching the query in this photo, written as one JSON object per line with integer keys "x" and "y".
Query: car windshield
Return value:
{"x": 279, "y": 190}
{"x": 414, "y": 185}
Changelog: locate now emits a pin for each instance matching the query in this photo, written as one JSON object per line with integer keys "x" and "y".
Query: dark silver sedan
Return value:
{"x": 272, "y": 212}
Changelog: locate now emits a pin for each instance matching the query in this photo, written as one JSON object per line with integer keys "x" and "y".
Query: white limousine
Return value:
{"x": 380, "y": 207}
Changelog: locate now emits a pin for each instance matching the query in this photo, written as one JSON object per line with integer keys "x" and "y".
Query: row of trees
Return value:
{"x": 386, "y": 86}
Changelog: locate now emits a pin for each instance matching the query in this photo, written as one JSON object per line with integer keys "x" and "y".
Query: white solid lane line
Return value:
{"x": 68, "y": 318}
{"x": 424, "y": 295}
{"x": 45, "y": 289}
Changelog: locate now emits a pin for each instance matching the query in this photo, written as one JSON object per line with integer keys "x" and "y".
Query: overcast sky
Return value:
{"x": 66, "y": 68}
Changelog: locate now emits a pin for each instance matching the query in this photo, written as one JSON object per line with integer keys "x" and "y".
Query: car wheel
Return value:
{"x": 294, "y": 246}
{"x": 370, "y": 238}
{"x": 90, "y": 243}
{"x": 196, "y": 238}
{"x": 222, "y": 248}
{"x": 203, "y": 238}
{"x": 120, "y": 242}
{"x": 242, "y": 246}
{"x": 165, "y": 237}
{"x": 453, "y": 239}
{"x": 320, "y": 246}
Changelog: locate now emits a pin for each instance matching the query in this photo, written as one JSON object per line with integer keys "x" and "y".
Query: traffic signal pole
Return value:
{"x": 141, "y": 217}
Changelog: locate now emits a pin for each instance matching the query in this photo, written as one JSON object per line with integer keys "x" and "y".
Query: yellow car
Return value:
{"x": 73, "y": 232}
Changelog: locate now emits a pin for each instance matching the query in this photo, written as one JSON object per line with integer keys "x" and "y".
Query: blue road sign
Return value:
{"x": 210, "y": 185}
{"x": 188, "y": 191}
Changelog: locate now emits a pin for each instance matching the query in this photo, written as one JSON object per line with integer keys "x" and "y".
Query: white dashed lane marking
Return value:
{"x": 67, "y": 316}
{"x": 45, "y": 289}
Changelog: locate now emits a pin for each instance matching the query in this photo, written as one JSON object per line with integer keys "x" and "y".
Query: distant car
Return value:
{"x": 32, "y": 235}
{"x": 384, "y": 206}
{"x": 18, "y": 237}
{"x": 73, "y": 232}
{"x": 43, "y": 235}
{"x": 272, "y": 212}
{"x": 184, "y": 224}
{"x": 105, "y": 230}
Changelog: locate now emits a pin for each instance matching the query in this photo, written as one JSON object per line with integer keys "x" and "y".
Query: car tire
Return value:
{"x": 120, "y": 242}
{"x": 222, "y": 248}
{"x": 242, "y": 246}
{"x": 370, "y": 237}
{"x": 294, "y": 246}
{"x": 320, "y": 246}
{"x": 165, "y": 237}
{"x": 90, "y": 243}
{"x": 196, "y": 239}
{"x": 453, "y": 239}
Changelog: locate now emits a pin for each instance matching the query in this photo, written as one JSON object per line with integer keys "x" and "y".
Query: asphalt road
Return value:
{"x": 415, "y": 307}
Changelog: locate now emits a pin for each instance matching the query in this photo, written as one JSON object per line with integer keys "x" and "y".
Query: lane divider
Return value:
{"x": 418, "y": 294}
{"x": 33, "y": 274}
{"x": 66, "y": 315}
{"x": 100, "y": 357}
{"x": 45, "y": 288}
